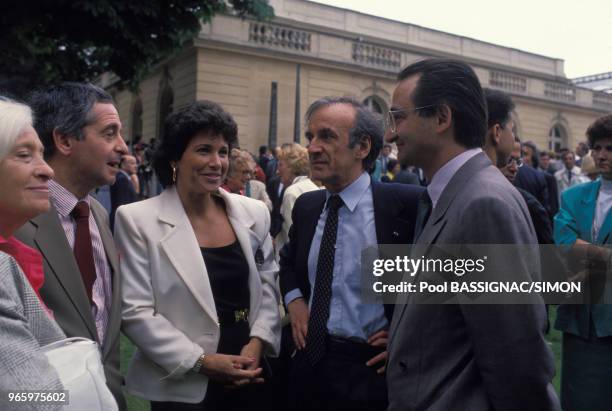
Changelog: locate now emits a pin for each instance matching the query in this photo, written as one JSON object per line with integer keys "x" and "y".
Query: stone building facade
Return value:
{"x": 342, "y": 52}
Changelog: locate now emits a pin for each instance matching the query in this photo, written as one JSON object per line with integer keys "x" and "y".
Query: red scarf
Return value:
{"x": 30, "y": 261}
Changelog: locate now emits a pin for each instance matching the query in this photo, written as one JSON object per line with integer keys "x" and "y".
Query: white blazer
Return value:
{"x": 299, "y": 186}
{"x": 168, "y": 310}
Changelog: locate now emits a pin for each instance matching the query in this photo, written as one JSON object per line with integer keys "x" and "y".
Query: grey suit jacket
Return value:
{"x": 64, "y": 292}
{"x": 25, "y": 327}
{"x": 472, "y": 357}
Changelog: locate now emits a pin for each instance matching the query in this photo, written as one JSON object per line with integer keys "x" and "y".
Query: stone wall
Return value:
{"x": 342, "y": 52}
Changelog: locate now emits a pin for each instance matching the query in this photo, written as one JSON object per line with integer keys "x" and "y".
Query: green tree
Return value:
{"x": 47, "y": 41}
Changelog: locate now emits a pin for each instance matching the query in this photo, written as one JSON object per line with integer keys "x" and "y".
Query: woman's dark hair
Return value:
{"x": 180, "y": 127}
{"x": 601, "y": 128}
{"x": 535, "y": 158}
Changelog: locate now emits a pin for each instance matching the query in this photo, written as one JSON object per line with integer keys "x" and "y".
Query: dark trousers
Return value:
{"x": 217, "y": 398}
{"x": 586, "y": 373}
{"x": 340, "y": 381}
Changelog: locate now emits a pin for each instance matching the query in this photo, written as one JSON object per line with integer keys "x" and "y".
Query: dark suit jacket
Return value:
{"x": 395, "y": 208}
{"x": 534, "y": 181}
{"x": 407, "y": 177}
{"x": 276, "y": 222}
{"x": 271, "y": 167}
{"x": 539, "y": 218}
{"x": 553, "y": 195}
{"x": 459, "y": 357}
{"x": 122, "y": 192}
{"x": 64, "y": 292}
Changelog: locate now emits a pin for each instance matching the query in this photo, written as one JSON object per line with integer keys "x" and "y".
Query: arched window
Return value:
{"x": 166, "y": 106}
{"x": 557, "y": 138}
{"x": 376, "y": 104}
{"x": 137, "y": 119}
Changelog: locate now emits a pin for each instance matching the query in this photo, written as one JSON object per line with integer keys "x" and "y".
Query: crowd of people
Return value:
{"x": 238, "y": 278}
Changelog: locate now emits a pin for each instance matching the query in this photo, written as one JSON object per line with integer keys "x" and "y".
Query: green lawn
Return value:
{"x": 555, "y": 337}
{"x": 134, "y": 403}
{"x": 137, "y": 404}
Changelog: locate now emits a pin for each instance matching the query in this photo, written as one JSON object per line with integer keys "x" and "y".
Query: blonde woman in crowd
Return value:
{"x": 200, "y": 300}
{"x": 293, "y": 170}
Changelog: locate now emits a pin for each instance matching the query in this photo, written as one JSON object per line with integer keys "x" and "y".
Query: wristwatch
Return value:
{"x": 198, "y": 365}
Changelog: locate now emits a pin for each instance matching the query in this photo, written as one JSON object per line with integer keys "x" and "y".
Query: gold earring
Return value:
{"x": 173, "y": 174}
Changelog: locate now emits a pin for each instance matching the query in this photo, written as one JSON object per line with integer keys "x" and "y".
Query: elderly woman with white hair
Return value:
{"x": 26, "y": 324}
{"x": 240, "y": 178}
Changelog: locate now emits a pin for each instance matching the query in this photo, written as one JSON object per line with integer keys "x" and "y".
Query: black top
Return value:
{"x": 228, "y": 273}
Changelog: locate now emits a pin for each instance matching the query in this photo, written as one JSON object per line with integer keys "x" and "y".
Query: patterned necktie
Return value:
{"x": 423, "y": 212}
{"x": 319, "y": 312}
{"x": 83, "y": 251}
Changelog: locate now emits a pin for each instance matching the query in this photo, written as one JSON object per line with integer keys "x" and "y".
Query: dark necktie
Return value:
{"x": 319, "y": 312}
{"x": 83, "y": 251}
{"x": 569, "y": 176}
{"x": 423, "y": 212}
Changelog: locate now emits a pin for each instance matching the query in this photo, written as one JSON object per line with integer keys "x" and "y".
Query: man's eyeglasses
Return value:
{"x": 393, "y": 115}
{"x": 517, "y": 160}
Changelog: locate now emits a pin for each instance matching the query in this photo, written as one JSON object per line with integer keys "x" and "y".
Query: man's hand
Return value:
{"x": 379, "y": 339}
{"x": 299, "y": 314}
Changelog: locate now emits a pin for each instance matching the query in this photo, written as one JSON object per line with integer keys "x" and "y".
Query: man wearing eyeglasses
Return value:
{"x": 515, "y": 161}
{"x": 451, "y": 357}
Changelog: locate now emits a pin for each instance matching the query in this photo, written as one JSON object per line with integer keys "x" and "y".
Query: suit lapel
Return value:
{"x": 114, "y": 320}
{"x": 181, "y": 247}
{"x": 107, "y": 240}
{"x": 388, "y": 226}
{"x": 50, "y": 239}
{"x": 242, "y": 223}
{"x": 312, "y": 212}
{"x": 605, "y": 231}
{"x": 437, "y": 220}
{"x": 587, "y": 212}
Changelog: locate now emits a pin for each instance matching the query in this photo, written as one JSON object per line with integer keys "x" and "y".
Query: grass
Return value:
{"x": 138, "y": 404}
{"x": 554, "y": 337}
{"x": 133, "y": 403}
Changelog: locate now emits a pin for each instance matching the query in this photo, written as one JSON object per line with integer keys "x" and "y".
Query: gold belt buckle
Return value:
{"x": 241, "y": 315}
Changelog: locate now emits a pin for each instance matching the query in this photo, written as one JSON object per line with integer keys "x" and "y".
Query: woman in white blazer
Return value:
{"x": 198, "y": 274}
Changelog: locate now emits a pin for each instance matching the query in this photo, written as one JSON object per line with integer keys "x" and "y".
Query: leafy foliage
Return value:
{"x": 47, "y": 41}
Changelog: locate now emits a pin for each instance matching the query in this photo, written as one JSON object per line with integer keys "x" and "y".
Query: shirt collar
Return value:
{"x": 298, "y": 179}
{"x": 606, "y": 185}
{"x": 351, "y": 195}
{"x": 63, "y": 200}
{"x": 440, "y": 180}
